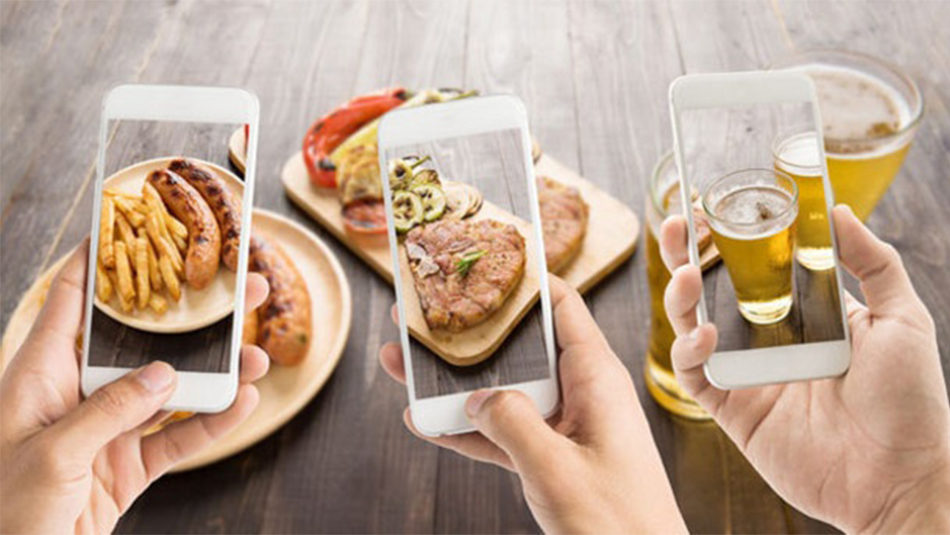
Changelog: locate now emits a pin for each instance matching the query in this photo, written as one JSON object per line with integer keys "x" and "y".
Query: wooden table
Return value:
{"x": 594, "y": 76}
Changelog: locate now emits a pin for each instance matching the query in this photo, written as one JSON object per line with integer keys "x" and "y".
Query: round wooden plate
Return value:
{"x": 237, "y": 149}
{"x": 284, "y": 390}
{"x": 196, "y": 308}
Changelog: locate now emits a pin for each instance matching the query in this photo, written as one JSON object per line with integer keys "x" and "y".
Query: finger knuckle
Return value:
{"x": 111, "y": 400}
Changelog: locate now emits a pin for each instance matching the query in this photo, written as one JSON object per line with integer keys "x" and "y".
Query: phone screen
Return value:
{"x": 469, "y": 262}
{"x": 166, "y": 247}
{"x": 757, "y": 184}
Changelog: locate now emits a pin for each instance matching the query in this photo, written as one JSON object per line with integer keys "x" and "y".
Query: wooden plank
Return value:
{"x": 58, "y": 61}
{"x": 623, "y": 56}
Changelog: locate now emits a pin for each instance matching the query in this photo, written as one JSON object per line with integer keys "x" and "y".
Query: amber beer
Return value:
{"x": 662, "y": 199}
{"x": 752, "y": 216}
{"x": 797, "y": 155}
{"x": 870, "y": 111}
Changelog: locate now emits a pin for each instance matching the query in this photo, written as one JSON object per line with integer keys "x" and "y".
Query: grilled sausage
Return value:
{"x": 204, "y": 237}
{"x": 225, "y": 205}
{"x": 285, "y": 327}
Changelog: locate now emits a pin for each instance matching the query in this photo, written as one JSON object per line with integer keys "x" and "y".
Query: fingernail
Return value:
{"x": 156, "y": 377}
{"x": 474, "y": 402}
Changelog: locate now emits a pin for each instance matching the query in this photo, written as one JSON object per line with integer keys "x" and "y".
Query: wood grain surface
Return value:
{"x": 594, "y": 77}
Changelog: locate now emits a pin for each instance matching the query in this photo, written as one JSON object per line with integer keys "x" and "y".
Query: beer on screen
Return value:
{"x": 752, "y": 216}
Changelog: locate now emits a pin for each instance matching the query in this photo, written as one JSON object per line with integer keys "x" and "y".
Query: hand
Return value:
{"x": 594, "y": 467}
{"x": 68, "y": 464}
{"x": 868, "y": 451}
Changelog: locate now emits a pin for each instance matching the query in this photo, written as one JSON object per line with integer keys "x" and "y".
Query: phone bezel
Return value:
{"x": 777, "y": 364}
{"x": 445, "y": 415}
{"x": 196, "y": 391}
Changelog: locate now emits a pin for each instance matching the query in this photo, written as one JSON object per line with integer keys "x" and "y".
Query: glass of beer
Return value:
{"x": 752, "y": 216}
{"x": 796, "y": 154}
{"x": 663, "y": 198}
{"x": 870, "y": 111}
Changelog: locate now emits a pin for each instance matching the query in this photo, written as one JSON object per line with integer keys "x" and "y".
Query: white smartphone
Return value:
{"x": 750, "y": 154}
{"x": 168, "y": 248}
{"x": 468, "y": 257}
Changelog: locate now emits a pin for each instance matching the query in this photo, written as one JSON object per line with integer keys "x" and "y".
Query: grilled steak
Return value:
{"x": 464, "y": 270}
{"x": 563, "y": 222}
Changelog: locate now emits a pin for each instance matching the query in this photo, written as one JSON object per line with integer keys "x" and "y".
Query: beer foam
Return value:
{"x": 856, "y": 105}
{"x": 799, "y": 155}
{"x": 753, "y": 212}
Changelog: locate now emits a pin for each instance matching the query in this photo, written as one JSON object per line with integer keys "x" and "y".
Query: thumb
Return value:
{"x": 116, "y": 408}
{"x": 876, "y": 264}
{"x": 509, "y": 419}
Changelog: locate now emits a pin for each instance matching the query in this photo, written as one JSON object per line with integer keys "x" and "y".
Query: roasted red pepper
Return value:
{"x": 332, "y": 129}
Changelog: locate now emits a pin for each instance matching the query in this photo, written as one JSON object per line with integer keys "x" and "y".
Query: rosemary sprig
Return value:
{"x": 464, "y": 265}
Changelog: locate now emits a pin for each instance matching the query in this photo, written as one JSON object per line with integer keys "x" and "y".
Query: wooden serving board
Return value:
{"x": 285, "y": 390}
{"x": 611, "y": 238}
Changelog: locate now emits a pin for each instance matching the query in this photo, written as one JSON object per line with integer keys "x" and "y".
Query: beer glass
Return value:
{"x": 797, "y": 154}
{"x": 752, "y": 216}
{"x": 870, "y": 111}
{"x": 662, "y": 199}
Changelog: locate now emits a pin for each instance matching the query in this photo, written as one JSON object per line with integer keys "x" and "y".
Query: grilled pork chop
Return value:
{"x": 464, "y": 270}
{"x": 563, "y": 222}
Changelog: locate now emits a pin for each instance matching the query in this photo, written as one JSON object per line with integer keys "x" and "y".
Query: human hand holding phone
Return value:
{"x": 68, "y": 464}
{"x": 593, "y": 467}
{"x": 868, "y": 451}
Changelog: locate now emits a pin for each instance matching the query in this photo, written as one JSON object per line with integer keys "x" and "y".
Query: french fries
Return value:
{"x": 141, "y": 251}
{"x": 103, "y": 284}
{"x": 154, "y": 274}
{"x": 130, "y": 209}
{"x": 141, "y": 272}
{"x": 158, "y": 304}
{"x": 126, "y": 234}
{"x": 123, "y": 272}
{"x": 107, "y": 233}
{"x": 170, "y": 278}
{"x": 154, "y": 225}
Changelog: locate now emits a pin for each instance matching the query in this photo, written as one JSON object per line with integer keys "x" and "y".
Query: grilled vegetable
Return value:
{"x": 462, "y": 200}
{"x": 401, "y": 171}
{"x": 365, "y": 217}
{"x": 333, "y": 129}
{"x": 425, "y": 177}
{"x": 366, "y": 136}
{"x": 433, "y": 201}
{"x": 408, "y": 211}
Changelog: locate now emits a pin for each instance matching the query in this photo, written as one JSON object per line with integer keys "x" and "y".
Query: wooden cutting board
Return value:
{"x": 611, "y": 238}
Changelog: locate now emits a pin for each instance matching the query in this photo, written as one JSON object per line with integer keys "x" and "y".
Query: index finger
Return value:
{"x": 674, "y": 245}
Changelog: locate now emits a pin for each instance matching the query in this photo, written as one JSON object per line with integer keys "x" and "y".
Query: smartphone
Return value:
{"x": 750, "y": 155}
{"x": 169, "y": 240}
{"x": 468, "y": 259}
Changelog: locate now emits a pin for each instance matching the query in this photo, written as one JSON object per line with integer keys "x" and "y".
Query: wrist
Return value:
{"x": 922, "y": 508}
